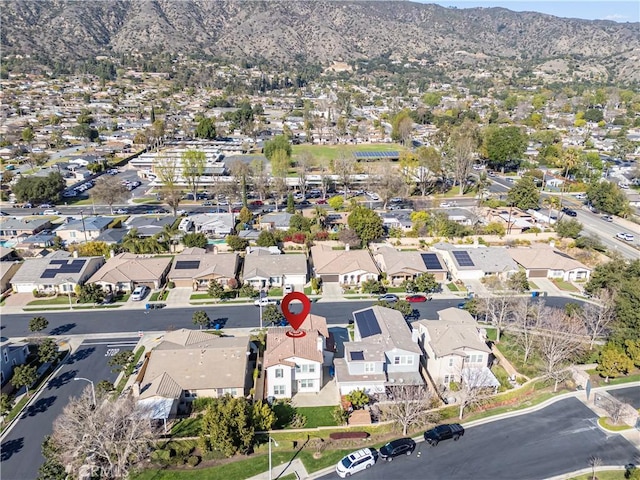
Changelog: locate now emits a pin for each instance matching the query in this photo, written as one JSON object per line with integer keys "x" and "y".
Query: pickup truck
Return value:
{"x": 443, "y": 432}
{"x": 265, "y": 301}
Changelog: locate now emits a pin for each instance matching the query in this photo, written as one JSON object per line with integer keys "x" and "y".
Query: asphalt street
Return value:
{"x": 87, "y": 322}
{"x": 629, "y": 395}
{"x": 555, "y": 440}
{"x": 21, "y": 448}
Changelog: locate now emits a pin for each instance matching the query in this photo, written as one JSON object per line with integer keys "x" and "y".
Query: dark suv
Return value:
{"x": 402, "y": 446}
{"x": 569, "y": 212}
{"x": 443, "y": 432}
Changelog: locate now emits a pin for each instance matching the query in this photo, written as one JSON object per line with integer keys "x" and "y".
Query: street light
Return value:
{"x": 262, "y": 295}
{"x": 276, "y": 444}
{"x": 93, "y": 389}
{"x": 70, "y": 287}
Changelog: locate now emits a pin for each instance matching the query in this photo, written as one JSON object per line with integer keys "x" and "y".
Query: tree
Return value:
{"x": 24, "y": 376}
{"x": 598, "y": 317}
{"x": 104, "y": 387}
{"x": 121, "y": 361}
{"x": 215, "y": 290}
{"x": 47, "y": 350}
{"x": 389, "y": 185}
{"x": 518, "y": 282}
{"x": 344, "y": 168}
{"x": 272, "y": 314}
{"x": 291, "y": 206}
{"x": 91, "y": 293}
{"x": 426, "y": 282}
{"x": 108, "y": 192}
{"x": 198, "y": 240}
{"x": 245, "y": 216}
{"x": 372, "y": 286}
{"x": 279, "y": 142}
{"x": 558, "y": 343}
{"x": 40, "y": 189}
{"x": 6, "y": 404}
{"x": 206, "y": 128}
{"x": 608, "y": 197}
{"x": 241, "y": 172}
{"x": 27, "y": 134}
{"x": 524, "y": 194}
{"x": 404, "y": 307}
{"x": 201, "y": 318}
{"x": 171, "y": 192}
{"x": 92, "y": 249}
{"x": 349, "y": 237}
{"x": 236, "y": 243}
{"x": 358, "y": 398}
{"x": 496, "y": 310}
{"x": 461, "y": 147}
{"x": 409, "y": 408}
{"x": 613, "y": 362}
{"x": 263, "y": 416}
{"x": 504, "y": 145}
{"x": 51, "y": 469}
{"x": 336, "y": 203}
{"x": 366, "y": 223}
{"x": 117, "y": 434}
{"x": 266, "y": 239}
{"x": 37, "y": 324}
{"x": 300, "y": 223}
{"x": 568, "y": 228}
{"x": 401, "y": 127}
{"x": 227, "y": 426}
{"x": 474, "y": 387}
{"x": 193, "y": 164}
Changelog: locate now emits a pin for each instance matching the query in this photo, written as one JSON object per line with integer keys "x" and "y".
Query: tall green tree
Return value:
{"x": 291, "y": 206}
{"x": 366, "y": 223}
{"x": 171, "y": 191}
{"x": 193, "y": 165}
{"x": 24, "y": 376}
{"x": 37, "y": 324}
{"x": 227, "y": 426}
{"x": 47, "y": 350}
{"x": 524, "y": 194}
{"x": 266, "y": 239}
{"x": 195, "y": 240}
{"x": 426, "y": 282}
{"x": 91, "y": 293}
{"x": 504, "y": 145}
{"x": 568, "y": 228}
{"x": 206, "y": 128}
{"x": 279, "y": 142}
{"x": 121, "y": 361}
{"x": 215, "y": 290}
{"x": 608, "y": 197}
{"x": 201, "y": 318}
{"x": 40, "y": 189}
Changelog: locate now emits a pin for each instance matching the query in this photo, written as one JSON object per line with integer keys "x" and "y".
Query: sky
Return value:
{"x": 615, "y": 10}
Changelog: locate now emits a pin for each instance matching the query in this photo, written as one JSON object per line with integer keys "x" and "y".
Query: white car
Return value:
{"x": 627, "y": 237}
{"x": 121, "y": 211}
{"x": 264, "y": 301}
{"x": 355, "y": 462}
{"x": 139, "y": 293}
{"x": 445, "y": 205}
{"x": 51, "y": 212}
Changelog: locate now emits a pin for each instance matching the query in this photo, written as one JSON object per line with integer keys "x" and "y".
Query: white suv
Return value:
{"x": 355, "y": 462}
{"x": 139, "y": 293}
{"x": 627, "y": 237}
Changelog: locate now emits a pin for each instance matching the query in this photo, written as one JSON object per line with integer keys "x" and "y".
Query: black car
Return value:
{"x": 443, "y": 432}
{"x": 401, "y": 446}
{"x": 568, "y": 211}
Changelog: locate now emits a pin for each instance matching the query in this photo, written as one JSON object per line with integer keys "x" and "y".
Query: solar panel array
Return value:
{"x": 357, "y": 355}
{"x": 373, "y": 155}
{"x": 187, "y": 264}
{"x": 367, "y": 323}
{"x": 431, "y": 261}
{"x": 65, "y": 267}
{"x": 463, "y": 259}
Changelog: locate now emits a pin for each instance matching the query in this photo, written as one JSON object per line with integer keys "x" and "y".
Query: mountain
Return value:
{"x": 318, "y": 31}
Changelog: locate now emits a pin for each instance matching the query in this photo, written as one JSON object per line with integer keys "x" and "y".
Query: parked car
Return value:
{"x": 46, "y": 205}
{"x": 627, "y": 237}
{"x": 395, "y": 448}
{"x": 321, "y": 202}
{"x": 416, "y": 298}
{"x": 265, "y": 301}
{"x": 461, "y": 305}
{"x": 121, "y": 211}
{"x": 287, "y": 289}
{"x": 581, "y": 196}
{"x": 139, "y": 293}
{"x": 445, "y": 204}
{"x": 443, "y": 432}
{"x": 51, "y": 212}
{"x": 388, "y": 297}
{"x": 569, "y": 212}
{"x": 356, "y": 462}
{"x": 607, "y": 218}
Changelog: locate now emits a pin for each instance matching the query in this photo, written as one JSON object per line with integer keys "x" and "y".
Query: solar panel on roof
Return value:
{"x": 49, "y": 274}
{"x": 187, "y": 264}
{"x": 367, "y": 323}
{"x": 357, "y": 355}
{"x": 431, "y": 261}
{"x": 463, "y": 259}
{"x": 58, "y": 262}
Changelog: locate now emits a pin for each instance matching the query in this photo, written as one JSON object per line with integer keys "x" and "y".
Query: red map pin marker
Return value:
{"x": 296, "y": 319}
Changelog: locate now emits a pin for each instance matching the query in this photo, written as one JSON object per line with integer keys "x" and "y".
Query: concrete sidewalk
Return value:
{"x": 295, "y": 466}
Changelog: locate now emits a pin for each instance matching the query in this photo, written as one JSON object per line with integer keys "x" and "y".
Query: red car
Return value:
{"x": 416, "y": 298}
{"x": 257, "y": 203}
{"x": 321, "y": 202}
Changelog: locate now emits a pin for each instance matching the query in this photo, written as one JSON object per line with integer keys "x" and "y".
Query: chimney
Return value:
{"x": 320, "y": 343}
{"x": 347, "y": 247}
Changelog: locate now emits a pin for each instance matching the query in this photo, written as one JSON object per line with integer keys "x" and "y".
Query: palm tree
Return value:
{"x": 131, "y": 241}
{"x": 171, "y": 235}
{"x": 570, "y": 159}
{"x": 550, "y": 202}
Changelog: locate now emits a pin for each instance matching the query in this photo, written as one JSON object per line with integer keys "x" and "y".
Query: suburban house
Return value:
{"x": 296, "y": 364}
{"x": 8, "y": 254}
{"x": 544, "y": 261}
{"x": 397, "y": 219}
{"x": 349, "y": 267}
{"x": 195, "y": 268}
{"x": 514, "y": 220}
{"x": 125, "y": 271}
{"x": 265, "y": 270}
{"x": 383, "y": 353}
{"x": 275, "y": 221}
{"x": 13, "y": 354}
{"x": 188, "y": 364}
{"x": 15, "y": 228}
{"x": 475, "y": 262}
{"x": 83, "y": 230}
{"x": 214, "y": 224}
{"x": 112, "y": 236}
{"x": 7, "y": 271}
{"x": 55, "y": 273}
{"x": 149, "y": 226}
{"x": 405, "y": 265}
{"x": 451, "y": 345}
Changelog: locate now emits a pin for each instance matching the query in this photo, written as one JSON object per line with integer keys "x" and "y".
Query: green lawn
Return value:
{"x": 188, "y": 427}
{"x": 331, "y": 152}
{"x": 562, "y": 285}
{"x": 452, "y": 286}
{"x": 58, "y": 300}
{"x": 318, "y": 416}
{"x": 603, "y": 475}
{"x": 200, "y": 296}
{"x": 155, "y": 296}
{"x": 604, "y": 422}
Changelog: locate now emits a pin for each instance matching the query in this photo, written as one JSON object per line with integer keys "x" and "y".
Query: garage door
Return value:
{"x": 330, "y": 278}
{"x": 539, "y": 273}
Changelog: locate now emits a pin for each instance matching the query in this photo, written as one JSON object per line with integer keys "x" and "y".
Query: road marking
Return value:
{"x": 113, "y": 344}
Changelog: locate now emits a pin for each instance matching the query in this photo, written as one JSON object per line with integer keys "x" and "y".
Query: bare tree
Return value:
{"x": 462, "y": 145}
{"x": 409, "y": 407}
{"x": 594, "y": 463}
{"x": 193, "y": 164}
{"x": 390, "y": 184}
{"x": 526, "y": 318}
{"x": 303, "y": 165}
{"x": 496, "y": 308}
{"x": 108, "y": 192}
{"x": 113, "y": 436}
{"x": 241, "y": 172}
{"x": 475, "y": 386}
{"x": 260, "y": 178}
{"x": 344, "y": 167}
{"x": 598, "y": 317}
{"x": 168, "y": 174}
{"x": 559, "y": 341}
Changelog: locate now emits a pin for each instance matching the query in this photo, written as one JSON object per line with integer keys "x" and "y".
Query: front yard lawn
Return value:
{"x": 187, "y": 427}
{"x": 562, "y": 285}
{"x": 57, "y": 300}
{"x": 318, "y": 416}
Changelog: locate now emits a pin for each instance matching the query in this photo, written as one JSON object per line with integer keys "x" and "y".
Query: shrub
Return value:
{"x": 298, "y": 421}
{"x": 193, "y": 460}
{"x": 348, "y": 435}
{"x": 171, "y": 285}
{"x": 201, "y": 403}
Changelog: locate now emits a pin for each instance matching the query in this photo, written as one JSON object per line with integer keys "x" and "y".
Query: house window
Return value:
{"x": 451, "y": 362}
{"x": 72, "y": 234}
{"x": 305, "y": 368}
{"x": 447, "y": 379}
{"x": 278, "y": 389}
{"x": 312, "y": 369}
{"x": 369, "y": 367}
{"x": 403, "y": 360}
{"x": 306, "y": 383}
{"x": 279, "y": 373}
{"x": 474, "y": 358}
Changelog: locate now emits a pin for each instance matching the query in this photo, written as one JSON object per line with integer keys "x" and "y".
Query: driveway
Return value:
{"x": 331, "y": 291}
